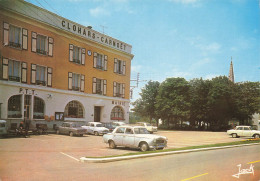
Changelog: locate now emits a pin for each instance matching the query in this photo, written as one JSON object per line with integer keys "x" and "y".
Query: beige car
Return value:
{"x": 148, "y": 126}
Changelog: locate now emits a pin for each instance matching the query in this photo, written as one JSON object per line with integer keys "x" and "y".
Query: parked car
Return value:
{"x": 148, "y": 126}
{"x": 118, "y": 123}
{"x": 95, "y": 128}
{"x": 245, "y": 131}
{"x": 134, "y": 137}
{"x": 109, "y": 125}
{"x": 71, "y": 129}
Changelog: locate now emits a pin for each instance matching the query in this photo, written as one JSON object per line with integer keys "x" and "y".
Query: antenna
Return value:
{"x": 103, "y": 28}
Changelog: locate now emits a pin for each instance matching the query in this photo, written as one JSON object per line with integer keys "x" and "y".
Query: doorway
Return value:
{"x": 27, "y": 105}
{"x": 97, "y": 111}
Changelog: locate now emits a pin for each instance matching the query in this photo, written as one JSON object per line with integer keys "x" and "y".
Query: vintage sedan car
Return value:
{"x": 71, "y": 129}
{"x": 118, "y": 123}
{"x": 245, "y": 131}
{"x": 95, "y": 128}
{"x": 134, "y": 137}
{"x": 109, "y": 125}
{"x": 148, "y": 126}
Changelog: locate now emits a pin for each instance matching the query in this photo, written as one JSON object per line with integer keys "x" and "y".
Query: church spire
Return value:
{"x": 231, "y": 72}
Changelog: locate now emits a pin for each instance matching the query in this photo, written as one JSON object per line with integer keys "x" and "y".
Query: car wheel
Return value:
{"x": 144, "y": 147}
{"x": 112, "y": 144}
{"x": 58, "y": 132}
{"x": 71, "y": 134}
{"x": 234, "y": 135}
{"x": 256, "y": 136}
{"x": 96, "y": 133}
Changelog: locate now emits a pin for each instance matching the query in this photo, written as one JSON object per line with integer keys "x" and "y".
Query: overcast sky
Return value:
{"x": 175, "y": 38}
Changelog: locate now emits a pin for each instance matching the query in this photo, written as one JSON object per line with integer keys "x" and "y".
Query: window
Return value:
{"x": 75, "y": 82}
{"x": 129, "y": 131}
{"x": 42, "y": 44}
{"x": 59, "y": 116}
{"x": 99, "y": 86}
{"x": 15, "y": 36}
{"x": 40, "y": 75}
{"x": 119, "y": 66}
{"x": 120, "y": 130}
{"x": 119, "y": 90}
{"x": 77, "y": 54}
{"x": 74, "y": 110}
{"x": 117, "y": 113}
{"x": 14, "y": 70}
{"x": 14, "y": 107}
{"x": 100, "y": 61}
{"x": 38, "y": 108}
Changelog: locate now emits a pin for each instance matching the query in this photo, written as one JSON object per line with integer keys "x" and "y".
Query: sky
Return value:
{"x": 175, "y": 38}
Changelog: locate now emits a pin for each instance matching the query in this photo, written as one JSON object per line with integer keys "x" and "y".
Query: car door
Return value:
{"x": 239, "y": 131}
{"x": 129, "y": 137}
{"x": 67, "y": 128}
{"x": 247, "y": 132}
{"x": 91, "y": 128}
{"x": 62, "y": 128}
{"x": 118, "y": 136}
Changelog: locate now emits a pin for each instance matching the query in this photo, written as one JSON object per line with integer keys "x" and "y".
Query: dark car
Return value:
{"x": 71, "y": 129}
{"x": 109, "y": 125}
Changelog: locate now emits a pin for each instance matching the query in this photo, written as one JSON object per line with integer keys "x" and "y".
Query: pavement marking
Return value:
{"x": 70, "y": 156}
{"x": 254, "y": 162}
{"x": 195, "y": 177}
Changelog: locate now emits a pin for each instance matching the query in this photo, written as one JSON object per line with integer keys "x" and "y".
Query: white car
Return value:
{"x": 134, "y": 137}
{"x": 148, "y": 126}
{"x": 95, "y": 128}
{"x": 118, "y": 123}
{"x": 245, "y": 131}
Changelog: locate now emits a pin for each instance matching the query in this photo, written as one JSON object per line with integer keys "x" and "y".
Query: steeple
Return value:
{"x": 231, "y": 72}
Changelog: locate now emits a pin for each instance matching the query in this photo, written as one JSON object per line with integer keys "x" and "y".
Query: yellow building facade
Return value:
{"x": 53, "y": 69}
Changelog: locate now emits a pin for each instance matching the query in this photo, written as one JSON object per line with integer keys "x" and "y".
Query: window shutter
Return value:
{"x": 6, "y": 34}
{"x": 25, "y": 39}
{"x": 115, "y": 65}
{"x": 94, "y": 87}
{"x": 70, "y": 80}
{"x": 50, "y": 53}
{"x": 34, "y": 40}
{"x": 24, "y": 72}
{"x": 82, "y": 85}
{"x": 71, "y": 53}
{"x": 83, "y": 55}
{"x": 105, "y": 62}
{"x": 5, "y": 68}
{"x": 105, "y": 87}
{"x": 115, "y": 89}
{"x": 123, "y": 90}
{"x": 33, "y": 74}
{"x": 49, "y": 77}
{"x": 95, "y": 60}
{"x": 124, "y": 66}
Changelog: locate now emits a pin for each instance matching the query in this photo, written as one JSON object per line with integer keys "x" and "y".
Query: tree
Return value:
{"x": 199, "y": 96}
{"x": 247, "y": 100}
{"x": 221, "y": 101}
{"x": 172, "y": 102}
{"x": 145, "y": 106}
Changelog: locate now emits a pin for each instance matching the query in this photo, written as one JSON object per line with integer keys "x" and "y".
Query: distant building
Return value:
{"x": 54, "y": 70}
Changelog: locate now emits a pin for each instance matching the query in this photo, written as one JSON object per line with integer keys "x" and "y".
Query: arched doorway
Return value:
{"x": 74, "y": 109}
{"x": 117, "y": 113}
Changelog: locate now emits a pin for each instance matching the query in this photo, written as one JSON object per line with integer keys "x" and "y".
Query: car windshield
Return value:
{"x": 141, "y": 131}
{"x": 147, "y": 124}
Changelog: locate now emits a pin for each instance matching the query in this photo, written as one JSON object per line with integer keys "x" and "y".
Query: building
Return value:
{"x": 54, "y": 70}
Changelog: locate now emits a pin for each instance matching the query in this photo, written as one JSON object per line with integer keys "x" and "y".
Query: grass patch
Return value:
{"x": 248, "y": 141}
